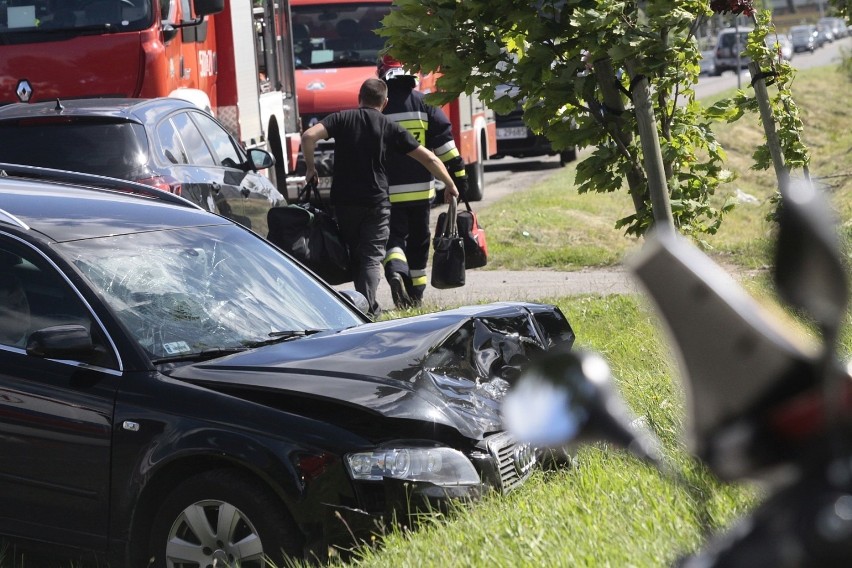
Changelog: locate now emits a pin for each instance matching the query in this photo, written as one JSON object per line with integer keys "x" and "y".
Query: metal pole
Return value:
{"x": 652, "y": 155}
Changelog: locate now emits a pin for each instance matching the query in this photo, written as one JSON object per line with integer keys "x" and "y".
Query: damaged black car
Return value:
{"x": 176, "y": 391}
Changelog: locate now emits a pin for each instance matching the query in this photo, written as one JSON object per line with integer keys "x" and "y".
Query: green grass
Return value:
{"x": 551, "y": 226}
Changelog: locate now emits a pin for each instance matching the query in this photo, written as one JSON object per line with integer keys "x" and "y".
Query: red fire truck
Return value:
{"x": 233, "y": 59}
{"x": 336, "y": 49}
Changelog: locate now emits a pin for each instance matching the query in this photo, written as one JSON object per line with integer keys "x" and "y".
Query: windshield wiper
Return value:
{"x": 281, "y": 336}
{"x": 203, "y": 355}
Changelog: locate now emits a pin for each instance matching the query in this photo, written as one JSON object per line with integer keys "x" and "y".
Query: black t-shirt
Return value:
{"x": 364, "y": 140}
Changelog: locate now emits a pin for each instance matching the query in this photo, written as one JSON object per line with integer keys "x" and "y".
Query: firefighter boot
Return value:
{"x": 401, "y": 299}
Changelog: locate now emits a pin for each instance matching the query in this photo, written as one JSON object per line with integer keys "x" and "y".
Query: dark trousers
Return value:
{"x": 365, "y": 231}
{"x": 410, "y": 235}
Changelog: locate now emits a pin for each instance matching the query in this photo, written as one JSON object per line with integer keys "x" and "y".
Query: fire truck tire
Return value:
{"x": 567, "y": 156}
{"x": 475, "y": 181}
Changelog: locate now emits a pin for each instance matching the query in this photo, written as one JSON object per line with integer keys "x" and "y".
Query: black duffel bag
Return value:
{"x": 309, "y": 232}
{"x": 448, "y": 258}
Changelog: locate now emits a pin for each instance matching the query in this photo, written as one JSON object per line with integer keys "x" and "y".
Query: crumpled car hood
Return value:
{"x": 451, "y": 367}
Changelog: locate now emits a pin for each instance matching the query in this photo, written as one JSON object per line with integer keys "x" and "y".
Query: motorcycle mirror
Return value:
{"x": 809, "y": 272}
{"x": 570, "y": 397}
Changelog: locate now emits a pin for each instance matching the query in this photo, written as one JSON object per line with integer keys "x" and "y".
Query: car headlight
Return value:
{"x": 441, "y": 466}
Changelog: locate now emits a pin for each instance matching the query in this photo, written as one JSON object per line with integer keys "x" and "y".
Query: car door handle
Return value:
{"x": 216, "y": 187}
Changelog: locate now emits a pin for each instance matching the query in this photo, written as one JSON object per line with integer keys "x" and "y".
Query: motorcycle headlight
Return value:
{"x": 441, "y": 466}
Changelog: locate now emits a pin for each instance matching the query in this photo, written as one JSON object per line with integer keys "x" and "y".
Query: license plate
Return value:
{"x": 513, "y": 132}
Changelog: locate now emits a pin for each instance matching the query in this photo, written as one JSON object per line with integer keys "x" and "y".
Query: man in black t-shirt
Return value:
{"x": 364, "y": 141}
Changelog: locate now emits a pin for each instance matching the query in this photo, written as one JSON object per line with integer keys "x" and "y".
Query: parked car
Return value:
{"x": 168, "y": 143}
{"x": 782, "y": 45}
{"x": 173, "y": 387}
{"x": 708, "y": 62}
{"x": 837, "y": 26}
{"x": 730, "y": 45}
{"x": 823, "y": 36}
{"x": 804, "y": 38}
{"x": 515, "y": 138}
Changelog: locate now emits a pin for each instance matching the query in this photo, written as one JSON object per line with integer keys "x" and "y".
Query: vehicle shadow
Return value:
{"x": 503, "y": 165}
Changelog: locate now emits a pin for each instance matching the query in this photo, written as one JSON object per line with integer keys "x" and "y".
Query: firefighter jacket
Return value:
{"x": 410, "y": 183}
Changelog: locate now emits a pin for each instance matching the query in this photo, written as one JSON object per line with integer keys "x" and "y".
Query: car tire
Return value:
{"x": 567, "y": 156}
{"x": 252, "y": 512}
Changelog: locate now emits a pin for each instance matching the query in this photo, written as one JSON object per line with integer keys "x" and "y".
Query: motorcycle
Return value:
{"x": 760, "y": 404}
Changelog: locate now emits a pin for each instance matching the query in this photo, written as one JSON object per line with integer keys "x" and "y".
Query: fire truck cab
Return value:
{"x": 336, "y": 49}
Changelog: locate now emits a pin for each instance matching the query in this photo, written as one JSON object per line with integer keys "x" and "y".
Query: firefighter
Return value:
{"x": 412, "y": 187}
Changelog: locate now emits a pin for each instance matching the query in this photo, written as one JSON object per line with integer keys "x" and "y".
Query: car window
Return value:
{"x": 171, "y": 147}
{"x": 183, "y": 292}
{"x": 34, "y": 296}
{"x": 116, "y": 149}
{"x": 223, "y": 145}
{"x": 193, "y": 141}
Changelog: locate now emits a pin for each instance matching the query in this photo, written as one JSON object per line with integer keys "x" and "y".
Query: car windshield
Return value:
{"x": 337, "y": 35}
{"x": 189, "y": 291}
{"x": 50, "y": 16}
{"x": 115, "y": 149}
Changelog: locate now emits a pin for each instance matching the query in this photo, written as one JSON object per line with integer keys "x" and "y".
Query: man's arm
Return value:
{"x": 431, "y": 162}
{"x": 309, "y": 143}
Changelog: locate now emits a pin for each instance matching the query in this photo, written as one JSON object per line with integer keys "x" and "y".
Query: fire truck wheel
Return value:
{"x": 567, "y": 156}
{"x": 475, "y": 181}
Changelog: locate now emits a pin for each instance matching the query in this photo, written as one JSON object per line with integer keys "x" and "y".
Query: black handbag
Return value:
{"x": 448, "y": 258}
{"x": 309, "y": 232}
{"x": 472, "y": 234}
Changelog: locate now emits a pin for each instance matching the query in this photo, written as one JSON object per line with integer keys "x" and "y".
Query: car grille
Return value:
{"x": 515, "y": 461}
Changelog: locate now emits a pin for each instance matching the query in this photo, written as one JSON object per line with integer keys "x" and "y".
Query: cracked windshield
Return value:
{"x": 326, "y": 36}
{"x": 184, "y": 293}
{"x": 59, "y": 15}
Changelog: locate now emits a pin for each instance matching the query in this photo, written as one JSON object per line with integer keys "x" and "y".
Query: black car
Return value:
{"x": 172, "y": 386}
{"x": 515, "y": 138}
{"x": 167, "y": 143}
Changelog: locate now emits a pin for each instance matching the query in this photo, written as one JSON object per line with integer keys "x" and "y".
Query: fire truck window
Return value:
{"x": 223, "y": 147}
{"x": 171, "y": 147}
{"x": 193, "y": 141}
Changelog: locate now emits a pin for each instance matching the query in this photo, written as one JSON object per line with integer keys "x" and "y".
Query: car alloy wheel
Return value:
{"x": 221, "y": 518}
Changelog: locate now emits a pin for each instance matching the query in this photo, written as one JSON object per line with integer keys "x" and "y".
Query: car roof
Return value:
{"x": 117, "y": 109}
{"x": 64, "y": 211}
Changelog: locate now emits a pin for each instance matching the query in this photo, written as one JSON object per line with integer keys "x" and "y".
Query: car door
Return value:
{"x": 55, "y": 415}
{"x": 184, "y": 154}
{"x": 254, "y": 192}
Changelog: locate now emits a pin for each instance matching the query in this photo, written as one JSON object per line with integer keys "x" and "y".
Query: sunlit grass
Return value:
{"x": 551, "y": 226}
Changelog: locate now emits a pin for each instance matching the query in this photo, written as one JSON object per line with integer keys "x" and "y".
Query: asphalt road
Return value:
{"x": 828, "y": 54}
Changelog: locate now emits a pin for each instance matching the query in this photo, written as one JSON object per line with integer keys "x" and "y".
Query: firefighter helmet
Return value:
{"x": 390, "y": 68}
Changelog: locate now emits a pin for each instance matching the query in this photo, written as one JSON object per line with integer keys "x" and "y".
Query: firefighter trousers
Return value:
{"x": 408, "y": 247}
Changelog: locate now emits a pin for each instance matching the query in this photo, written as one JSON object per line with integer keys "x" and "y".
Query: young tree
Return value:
{"x": 590, "y": 73}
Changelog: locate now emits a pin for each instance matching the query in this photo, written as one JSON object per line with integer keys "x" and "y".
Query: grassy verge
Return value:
{"x": 551, "y": 226}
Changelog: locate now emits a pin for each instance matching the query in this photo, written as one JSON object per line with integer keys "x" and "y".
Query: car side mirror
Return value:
{"x": 260, "y": 159}
{"x": 357, "y": 299}
{"x": 169, "y": 32}
{"x": 61, "y": 342}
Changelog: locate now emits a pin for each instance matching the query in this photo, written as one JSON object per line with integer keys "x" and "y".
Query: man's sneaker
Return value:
{"x": 400, "y": 295}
